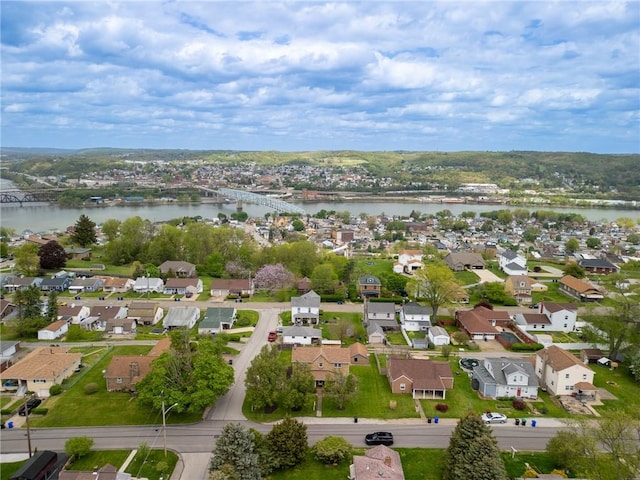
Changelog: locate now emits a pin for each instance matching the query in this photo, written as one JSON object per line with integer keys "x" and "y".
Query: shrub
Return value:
{"x": 91, "y": 388}
{"x": 332, "y": 450}
{"x": 442, "y": 407}
{"x": 519, "y": 404}
{"x": 40, "y": 411}
{"x": 55, "y": 390}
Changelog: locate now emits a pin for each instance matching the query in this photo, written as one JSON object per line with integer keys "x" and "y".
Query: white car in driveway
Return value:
{"x": 491, "y": 417}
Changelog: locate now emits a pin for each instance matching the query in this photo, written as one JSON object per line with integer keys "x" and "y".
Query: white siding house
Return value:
{"x": 54, "y": 330}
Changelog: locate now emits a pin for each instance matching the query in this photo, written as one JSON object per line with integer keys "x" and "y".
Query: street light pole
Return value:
{"x": 164, "y": 423}
{"x": 26, "y": 418}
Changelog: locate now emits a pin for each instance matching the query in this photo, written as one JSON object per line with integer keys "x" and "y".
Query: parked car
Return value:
{"x": 534, "y": 305}
{"x": 491, "y": 417}
{"x": 468, "y": 363}
{"x": 31, "y": 404}
{"x": 272, "y": 336}
{"x": 379, "y": 438}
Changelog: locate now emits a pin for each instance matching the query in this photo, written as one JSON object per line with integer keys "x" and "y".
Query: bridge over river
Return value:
{"x": 241, "y": 196}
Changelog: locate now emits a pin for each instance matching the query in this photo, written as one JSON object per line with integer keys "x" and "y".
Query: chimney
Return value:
{"x": 133, "y": 366}
{"x": 387, "y": 461}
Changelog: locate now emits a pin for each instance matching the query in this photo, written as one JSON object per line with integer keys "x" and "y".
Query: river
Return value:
{"x": 44, "y": 217}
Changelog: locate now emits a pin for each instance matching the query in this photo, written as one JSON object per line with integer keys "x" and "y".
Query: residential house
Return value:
{"x": 145, "y": 313}
{"x": 305, "y": 309}
{"x": 42, "y": 368}
{"x": 121, "y": 326}
{"x": 303, "y": 285}
{"x": 560, "y": 371}
{"x": 375, "y": 334}
{"x": 107, "y": 472}
{"x": 181, "y": 317}
{"x": 379, "y": 462}
{"x": 124, "y": 371}
{"x": 297, "y": 335}
{"x": 562, "y": 316}
{"x": 505, "y": 377}
{"x": 54, "y": 330}
{"x": 80, "y": 285}
{"x": 21, "y": 283}
{"x": 519, "y": 287}
{"x": 78, "y": 253}
{"x": 533, "y": 322}
{"x": 459, "y": 261}
{"x": 148, "y": 285}
{"x": 369, "y": 286}
{"x": 511, "y": 263}
{"x": 56, "y": 284}
{"x": 599, "y": 266}
{"x": 344, "y": 236}
{"x": 322, "y": 360}
{"x": 415, "y": 317}
{"x": 438, "y": 336}
{"x": 101, "y": 314}
{"x": 117, "y": 285}
{"x": 382, "y": 314}
{"x": 579, "y": 289}
{"x": 480, "y": 322}
{"x": 240, "y": 287}
{"x": 179, "y": 269}
{"x": 6, "y": 308}
{"x": 182, "y": 286}
{"x": 421, "y": 378}
{"x": 590, "y": 355}
{"x": 74, "y": 313}
{"x": 217, "y": 319}
{"x": 408, "y": 261}
{"x": 359, "y": 354}
{"x": 8, "y": 350}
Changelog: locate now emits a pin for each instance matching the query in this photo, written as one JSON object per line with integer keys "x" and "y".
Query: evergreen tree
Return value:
{"x": 473, "y": 452}
{"x": 288, "y": 443}
{"x": 84, "y": 231}
{"x": 235, "y": 450}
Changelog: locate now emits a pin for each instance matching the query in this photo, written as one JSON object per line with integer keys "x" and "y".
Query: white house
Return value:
{"x": 415, "y": 317}
{"x": 506, "y": 377}
{"x": 439, "y": 336}
{"x": 148, "y": 284}
{"x": 562, "y": 316}
{"x": 511, "y": 263}
{"x": 54, "y": 330}
{"x": 409, "y": 261}
{"x": 301, "y": 335}
{"x": 560, "y": 371}
{"x": 181, "y": 317}
{"x": 75, "y": 313}
{"x": 305, "y": 309}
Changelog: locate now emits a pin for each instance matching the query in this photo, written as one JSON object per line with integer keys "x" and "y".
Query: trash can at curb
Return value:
{"x": 533, "y": 423}
{"x": 10, "y": 424}
{"x": 355, "y": 419}
{"x": 428, "y": 419}
{"x": 517, "y": 421}
{"x": 435, "y": 419}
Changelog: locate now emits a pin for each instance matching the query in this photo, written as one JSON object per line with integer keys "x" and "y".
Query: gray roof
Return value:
{"x": 381, "y": 307}
{"x": 374, "y": 328}
{"x": 515, "y": 266}
{"x": 437, "y": 331}
{"x": 509, "y": 254}
{"x": 502, "y": 366}
{"x": 215, "y": 316}
{"x": 309, "y": 299}
{"x": 180, "y": 316}
{"x": 301, "y": 332}
{"x": 414, "y": 308}
{"x": 369, "y": 280}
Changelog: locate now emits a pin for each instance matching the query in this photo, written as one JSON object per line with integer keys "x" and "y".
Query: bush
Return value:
{"x": 91, "y": 388}
{"x": 526, "y": 347}
{"x": 518, "y": 404}
{"x": 332, "y": 450}
{"x": 442, "y": 407}
{"x": 55, "y": 390}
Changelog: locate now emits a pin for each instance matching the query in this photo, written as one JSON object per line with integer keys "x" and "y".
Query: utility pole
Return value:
{"x": 26, "y": 417}
{"x": 164, "y": 423}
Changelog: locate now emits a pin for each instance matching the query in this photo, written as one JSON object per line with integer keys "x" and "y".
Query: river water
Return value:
{"x": 44, "y": 217}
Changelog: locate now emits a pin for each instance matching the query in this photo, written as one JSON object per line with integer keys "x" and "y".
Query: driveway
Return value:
{"x": 487, "y": 276}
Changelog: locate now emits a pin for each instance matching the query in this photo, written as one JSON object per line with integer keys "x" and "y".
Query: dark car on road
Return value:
{"x": 31, "y": 404}
{"x": 379, "y": 438}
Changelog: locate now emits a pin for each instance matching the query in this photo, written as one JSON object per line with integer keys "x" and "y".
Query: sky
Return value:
{"x": 300, "y": 75}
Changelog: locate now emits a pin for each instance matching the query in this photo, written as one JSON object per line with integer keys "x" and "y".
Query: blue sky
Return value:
{"x": 298, "y": 75}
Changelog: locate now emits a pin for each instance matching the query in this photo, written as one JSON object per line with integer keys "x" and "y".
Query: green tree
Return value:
{"x": 593, "y": 242}
{"x": 634, "y": 365}
{"x": 298, "y": 225}
{"x": 26, "y": 260}
{"x": 571, "y": 246}
{"x": 235, "y": 448}
{"x": 52, "y": 255}
{"x": 573, "y": 269}
{"x": 111, "y": 228}
{"x": 288, "y": 443}
{"x": 324, "y": 279}
{"x": 266, "y": 379}
{"x": 28, "y": 302}
{"x": 299, "y": 387}
{"x": 84, "y": 232}
{"x": 192, "y": 375}
{"x": 473, "y": 452}
{"x": 332, "y": 450}
{"x": 435, "y": 284}
{"x": 341, "y": 388}
{"x": 52, "y": 307}
{"x": 77, "y": 447}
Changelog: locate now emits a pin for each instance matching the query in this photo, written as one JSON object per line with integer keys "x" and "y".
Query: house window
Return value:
{"x": 584, "y": 376}
{"x": 568, "y": 387}
{"x": 119, "y": 380}
{"x": 565, "y": 325}
{"x": 321, "y": 365}
{"x": 566, "y": 375}
{"x": 337, "y": 365}
{"x": 403, "y": 387}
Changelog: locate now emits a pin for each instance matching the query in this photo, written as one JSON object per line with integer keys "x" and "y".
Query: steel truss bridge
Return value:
{"x": 17, "y": 196}
{"x": 276, "y": 204}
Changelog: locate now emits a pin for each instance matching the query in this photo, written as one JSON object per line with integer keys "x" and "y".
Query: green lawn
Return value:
{"x": 466, "y": 277}
{"x": 99, "y": 458}
{"x": 330, "y": 320}
{"x": 74, "y": 407}
{"x": 142, "y": 467}
{"x": 618, "y": 382}
{"x": 8, "y": 469}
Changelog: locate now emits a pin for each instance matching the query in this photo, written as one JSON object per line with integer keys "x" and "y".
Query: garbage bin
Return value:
{"x": 355, "y": 419}
{"x": 10, "y": 424}
{"x": 533, "y": 423}
{"x": 435, "y": 419}
{"x": 524, "y": 421}
{"x": 428, "y": 419}
{"x": 517, "y": 421}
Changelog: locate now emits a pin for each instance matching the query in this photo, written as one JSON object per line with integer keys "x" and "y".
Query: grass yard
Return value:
{"x": 376, "y": 267}
{"x": 395, "y": 338}
{"x": 619, "y": 383}
{"x": 8, "y": 469}
{"x": 146, "y": 467}
{"x": 74, "y": 407}
{"x": 99, "y": 458}
{"x": 329, "y": 322}
{"x": 466, "y": 277}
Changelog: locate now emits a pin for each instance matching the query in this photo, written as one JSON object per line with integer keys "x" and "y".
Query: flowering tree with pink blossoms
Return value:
{"x": 273, "y": 277}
